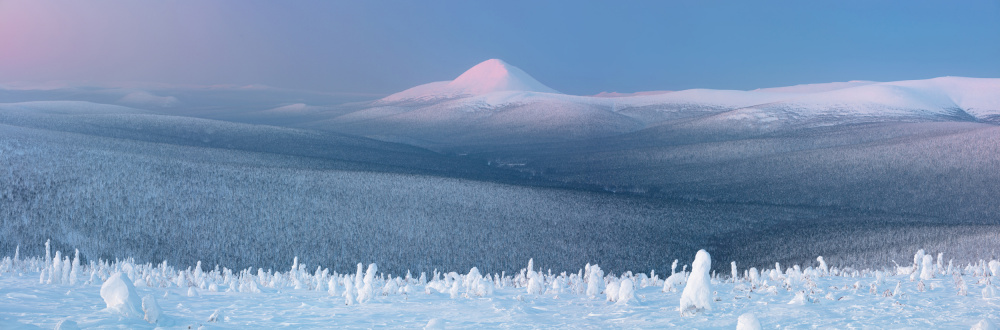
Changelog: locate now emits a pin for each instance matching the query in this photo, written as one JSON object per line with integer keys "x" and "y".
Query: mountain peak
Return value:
{"x": 495, "y": 75}
{"x": 489, "y": 76}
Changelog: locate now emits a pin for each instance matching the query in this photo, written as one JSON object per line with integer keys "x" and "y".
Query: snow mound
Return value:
{"x": 747, "y": 321}
{"x": 697, "y": 294}
{"x": 490, "y": 76}
{"x": 984, "y": 325}
{"x": 120, "y": 296}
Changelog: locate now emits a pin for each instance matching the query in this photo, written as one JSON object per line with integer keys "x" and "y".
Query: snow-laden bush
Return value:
{"x": 367, "y": 292}
{"x": 927, "y": 268}
{"x": 747, "y": 321}
{"x": 994, "y": 268}
{"x": 984, "y": 324}
{"x": 476, "y": 285}
{"x": 349, "y": 291}
{"x": 455, "y": 287}
{"x": 674, "y": 281}
{"x": 799, "y": 299}
{"x": 918, "y": 260}
{"x": 390, "y": 287}
{"x": 536, "y": 284}
{"x": 120, "y": 296}
{"x": 595, "y": 280}
{"x": 697, "y": 294}
{"x": 557, "y": 285}
{"x": 151, "y": 310}
{"x": 611, "y": 291}
{"x": 823, "y": 269}
{"x": 626, "y": 291}
{"x": 331, "y": 286}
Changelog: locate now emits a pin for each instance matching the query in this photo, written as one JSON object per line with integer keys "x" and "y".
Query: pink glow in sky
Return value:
{"x": 102, "y": 40}
{"x": 582, "y": 48}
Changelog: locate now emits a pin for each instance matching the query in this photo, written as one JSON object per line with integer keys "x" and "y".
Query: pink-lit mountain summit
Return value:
{"x": 490, "y": 76}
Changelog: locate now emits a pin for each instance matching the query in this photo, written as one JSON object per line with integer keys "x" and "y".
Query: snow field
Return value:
{"x": 103, "y": 294}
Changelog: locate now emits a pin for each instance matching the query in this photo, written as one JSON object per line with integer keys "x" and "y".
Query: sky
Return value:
{"x": 381, "y": 47}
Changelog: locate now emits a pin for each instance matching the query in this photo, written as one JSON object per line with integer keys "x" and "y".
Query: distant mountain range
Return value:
{"x": 497, "y": 103}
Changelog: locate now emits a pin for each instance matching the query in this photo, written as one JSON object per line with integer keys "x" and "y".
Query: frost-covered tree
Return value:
{"x": 626, "y": 291}
{"x": 927, "y": 268}
{"x": 595, "y": 280}
{"x": 697, "y": 294}
{"x": 349, "y": 292}
{"x": 367, "y": 291}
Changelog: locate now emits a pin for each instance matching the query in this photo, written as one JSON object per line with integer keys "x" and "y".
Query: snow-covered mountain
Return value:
{"x": 490, "y": 76}
{"x": 496, "y": 103}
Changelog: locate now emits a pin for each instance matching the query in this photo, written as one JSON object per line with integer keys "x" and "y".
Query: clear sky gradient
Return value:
{"x": 380, "y": 47}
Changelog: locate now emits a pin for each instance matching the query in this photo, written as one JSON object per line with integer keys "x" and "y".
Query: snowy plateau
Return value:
{"x": 492, "y": 200}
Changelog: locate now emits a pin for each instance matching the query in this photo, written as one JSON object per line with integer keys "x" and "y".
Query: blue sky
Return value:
{"x": 379, "y": 47}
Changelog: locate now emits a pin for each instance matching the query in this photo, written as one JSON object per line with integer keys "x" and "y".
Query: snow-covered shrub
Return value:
{"x": 823, "y": 269}
{"x": 150, "y": 309}
{"x": 799, "y": 299}
{"x": 747, "y": 321}
{"x": 74, "y": 273}
{"x": 455, "y": 287}
{"x": 674, "y": 281}
{"x": 55, "y": 275}
{"x": 595, "y": 280}
{"x": 476, "y": 285}
{"x": 121, "y": 297}
{"x": 611, "y": 291}
{"x": 984, "y": 324}
{"x": 918, "y": 260}
{"x": 367, "y": 292}
{"x": 989, "y": 292}
{"x": 626, "y": 291}
{"x": 216, "y": 316}
{"x": 927, "y": 268}
{"x": 331, "y": 286}
{"x": 536, "y": 283}
{"x": 697, "y": 294}
{"x": 349, "y": 291}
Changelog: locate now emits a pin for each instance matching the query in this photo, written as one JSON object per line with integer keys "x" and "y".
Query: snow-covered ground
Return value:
{"x": 931, "y": 293}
